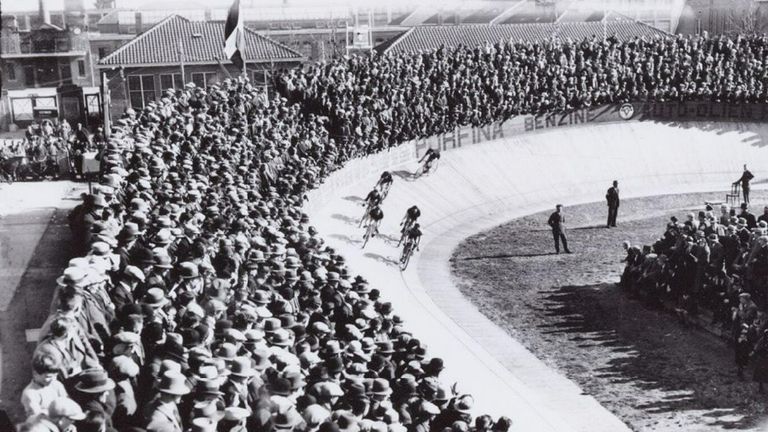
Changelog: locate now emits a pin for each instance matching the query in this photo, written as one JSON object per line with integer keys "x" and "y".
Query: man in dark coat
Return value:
{"x": 557, "y": 223}
{"x": 612, "y": 196}
{"x": 750, "y": 218}
{"x": 745, "y": 178}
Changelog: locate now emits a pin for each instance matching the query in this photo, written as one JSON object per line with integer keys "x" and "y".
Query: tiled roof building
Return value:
{"x": 197, "y": 42}
{"x": 426, "y": 38}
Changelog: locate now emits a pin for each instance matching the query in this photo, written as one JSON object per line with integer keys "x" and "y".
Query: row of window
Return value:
{"x": 142, "y": 88}
{"x": 29, "y": 73}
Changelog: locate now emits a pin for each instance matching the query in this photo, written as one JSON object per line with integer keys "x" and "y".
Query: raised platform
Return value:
{"x": 480, "y": 186}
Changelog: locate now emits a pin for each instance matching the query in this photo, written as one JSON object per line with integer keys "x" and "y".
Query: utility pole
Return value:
{"x": 105, "y": 104}
{"x": 181, "y": 63}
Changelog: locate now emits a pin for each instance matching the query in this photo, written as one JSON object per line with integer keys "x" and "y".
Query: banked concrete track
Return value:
{"x": 478, "y": 187}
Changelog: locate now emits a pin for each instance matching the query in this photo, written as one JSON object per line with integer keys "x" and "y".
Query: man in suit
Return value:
{"x": 557, "y": 223}
{"x": 612, "y": 196}
{"x": 162, "y": 414}
{"x": 745, "y": 178}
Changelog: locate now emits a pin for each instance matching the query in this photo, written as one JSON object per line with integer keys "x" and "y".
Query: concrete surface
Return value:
{"x": 478, "y": 187}
{"x": 34, "y": 249}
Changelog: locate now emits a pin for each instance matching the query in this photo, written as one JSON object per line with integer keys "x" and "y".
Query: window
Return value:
{"x": 171, "y": 81}
{"x": 11, "y": 71}
{"x": 81, "y": 68}
{"x": 204, "y": 79}
{"x": 141, "y": 89}
{"x": 29, "y": 76}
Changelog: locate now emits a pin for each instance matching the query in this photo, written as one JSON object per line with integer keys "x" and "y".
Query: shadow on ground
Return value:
{"x": 29, "y": 308}
{"x": 596, "y": 317}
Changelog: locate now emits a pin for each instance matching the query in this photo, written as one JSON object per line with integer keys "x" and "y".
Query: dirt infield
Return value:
{"x": 641, "y": 364}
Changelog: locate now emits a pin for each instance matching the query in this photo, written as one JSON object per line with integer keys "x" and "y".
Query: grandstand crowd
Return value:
{"x": 385, "y": 100}
{"x": 713, "y": 264}
{"x": 202, "y": 299}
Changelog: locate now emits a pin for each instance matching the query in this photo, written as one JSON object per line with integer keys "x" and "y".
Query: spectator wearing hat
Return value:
{"x": 124, "y": 371}
{"x": 747, "y": 216}
{"x": 45, "y": 386}
{"x": 122, "y": 292}
{"x": 76, "y": 354}
{"x": 62, "y": 414}
{"x": 240, "y": 389}
{"x": 94, "y": 391}
{"x": 162, "y": 413}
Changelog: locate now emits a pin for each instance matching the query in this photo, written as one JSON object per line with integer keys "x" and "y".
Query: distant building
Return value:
{"x": 139, "y": 71}
{"x": 47, "y": 72}
{"x": 427, "y": 38}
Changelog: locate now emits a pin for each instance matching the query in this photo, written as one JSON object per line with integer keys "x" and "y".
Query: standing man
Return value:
{"x": 745, "y": 178}
{"x": 557, "y": 223}
{"x": 612, "y": 196}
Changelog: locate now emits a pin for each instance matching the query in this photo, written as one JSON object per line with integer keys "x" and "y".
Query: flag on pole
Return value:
{"x": 234, "y": 35}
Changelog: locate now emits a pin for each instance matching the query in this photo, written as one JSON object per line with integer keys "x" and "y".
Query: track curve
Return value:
{"x": 476, "y": 188}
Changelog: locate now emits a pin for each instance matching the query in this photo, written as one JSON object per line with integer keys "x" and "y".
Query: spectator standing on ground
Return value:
{"x": 612, "y": 196}
{"x": 557, "y": 223}
{"x": 745, "y": 178}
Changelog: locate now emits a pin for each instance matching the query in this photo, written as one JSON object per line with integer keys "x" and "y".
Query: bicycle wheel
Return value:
{"x": 367, "y": 236}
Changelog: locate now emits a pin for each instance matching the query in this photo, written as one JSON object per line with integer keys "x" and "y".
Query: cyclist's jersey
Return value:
{"x": 414, "y": 233}
{"x": 413, "y": 213}
{"x": 376, "y": 214}
{"x": 373, "y": 197}
{"x": 385, "y": 178}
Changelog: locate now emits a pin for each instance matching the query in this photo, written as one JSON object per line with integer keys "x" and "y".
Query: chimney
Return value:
{"x": 139, "y": 26}
{"x": 45, "y": 14}
{"x": 208, "y": 15}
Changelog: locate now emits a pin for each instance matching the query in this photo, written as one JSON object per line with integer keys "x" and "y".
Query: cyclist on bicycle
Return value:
{"x": 413, "y": 238}
{"x": 411, "y": 216}
{"x": 375, "y": 215}
{"x": 429, "y": 158}
{"x": 373, "y": 198}
{"x": 385, "y": 181}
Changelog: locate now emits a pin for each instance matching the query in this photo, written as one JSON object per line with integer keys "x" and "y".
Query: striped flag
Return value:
{"x": 234, "y": 35}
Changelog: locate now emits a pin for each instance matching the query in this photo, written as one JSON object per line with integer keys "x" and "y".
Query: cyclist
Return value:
{"x": 384, "y": 183}
{"x": 429, "y": 158}
{"x": 375, "y": 215}
{"x": 412, "y": 239}
{"x": 372, "y": 200}
{"x": 411, "y": 216}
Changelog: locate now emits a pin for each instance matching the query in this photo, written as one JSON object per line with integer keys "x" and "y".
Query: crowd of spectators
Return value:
{"x": 714, "y": 264}
{"x": 49, "y": 148}
{"x": 381, "y": 100}
{"x": 205, "y": 301}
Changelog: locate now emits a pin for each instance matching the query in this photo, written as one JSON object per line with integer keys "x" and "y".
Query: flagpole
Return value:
{"x": 181, "y": 63}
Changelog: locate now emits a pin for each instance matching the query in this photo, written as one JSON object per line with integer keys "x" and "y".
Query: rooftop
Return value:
{"x": 427, "y": 38}
{"x": 200, "y": 42}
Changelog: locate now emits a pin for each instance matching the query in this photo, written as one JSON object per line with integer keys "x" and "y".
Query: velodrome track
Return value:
{"x": 480, "y": 186}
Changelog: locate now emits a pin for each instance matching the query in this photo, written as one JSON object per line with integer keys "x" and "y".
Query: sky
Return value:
{"x": 27, "y": 5}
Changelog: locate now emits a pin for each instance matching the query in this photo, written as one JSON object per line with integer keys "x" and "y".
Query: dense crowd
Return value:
{"x": 381, "y": 100}
{"x": 49, "y": 149}
{"x": 713, "y": 264}
{"x": 204, "y": 300}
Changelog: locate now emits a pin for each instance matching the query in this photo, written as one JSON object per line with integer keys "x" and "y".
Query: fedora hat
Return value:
{"x": 241, "y": 367}
{"x": 203, "y": 424}
{"x": 155, "y": 298}
{"x": 280, "y": 387}
{"x": 73, "y": 276}
{"x": 64, "y": 407}
{"x": 286, "y": 420}
{"x": 173, "y": 383}
{"x": 188, "y": 270}
{"x": 94, "y": 381}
